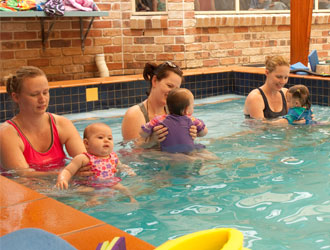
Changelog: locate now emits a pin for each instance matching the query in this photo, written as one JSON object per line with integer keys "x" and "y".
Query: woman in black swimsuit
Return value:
{"x": 268, "y": 101}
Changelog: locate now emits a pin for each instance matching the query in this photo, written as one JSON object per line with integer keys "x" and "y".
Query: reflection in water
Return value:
{"x": 268, "y": 198}
{"x": 198, "y": 209}
{"x": 304, "y": 212}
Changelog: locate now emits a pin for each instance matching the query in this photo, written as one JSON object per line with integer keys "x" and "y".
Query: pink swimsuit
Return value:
{"x": 104, "y": 171}
{"x": 54, "y": 158}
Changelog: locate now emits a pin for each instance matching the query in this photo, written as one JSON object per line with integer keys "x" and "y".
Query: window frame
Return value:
{"x": 226, "y": 12}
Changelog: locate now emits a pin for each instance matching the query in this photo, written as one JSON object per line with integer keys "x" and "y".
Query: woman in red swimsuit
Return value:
{"x": 32, "y": 141}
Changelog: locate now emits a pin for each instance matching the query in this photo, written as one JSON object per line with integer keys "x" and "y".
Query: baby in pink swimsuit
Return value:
{"x": 104, "y": 162}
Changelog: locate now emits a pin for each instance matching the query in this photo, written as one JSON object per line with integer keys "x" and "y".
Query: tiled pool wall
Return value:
{"x": 64, "y": 100}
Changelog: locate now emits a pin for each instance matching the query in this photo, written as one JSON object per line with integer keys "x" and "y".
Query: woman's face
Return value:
{"x": 279, "y": 77}
{"x": 163, "y": 87}
{"x": 34, "y": 95}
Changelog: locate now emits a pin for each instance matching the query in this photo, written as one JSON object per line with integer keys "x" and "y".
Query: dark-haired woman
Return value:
{"x": 163, "y": 78}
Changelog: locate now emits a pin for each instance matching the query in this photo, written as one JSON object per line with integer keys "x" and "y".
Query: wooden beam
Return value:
{"x": 300, "y": 31}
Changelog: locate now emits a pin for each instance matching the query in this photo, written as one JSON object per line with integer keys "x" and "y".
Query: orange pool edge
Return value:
{"x": 21, "y": 207}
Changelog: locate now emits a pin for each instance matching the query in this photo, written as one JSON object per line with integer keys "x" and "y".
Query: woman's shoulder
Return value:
{"x": 134, "y": 111}
{"x": 59, "y": 119}
{"x": 284, "y": 90}
{"x": 254, "y": 94}
{"x": 5, "y": 127}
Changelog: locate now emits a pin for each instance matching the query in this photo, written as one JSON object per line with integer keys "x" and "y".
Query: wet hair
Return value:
{"x": 178, "y": 100}
{"x": 161, "y": 71}
{"x": 273, "y": 61}
{"x": 14, "y": 82}
{"x": 301, "y": 93}
{"x": 88, "y": 130}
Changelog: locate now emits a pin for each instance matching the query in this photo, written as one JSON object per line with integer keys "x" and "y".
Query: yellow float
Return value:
{"x": 212, "y": 239}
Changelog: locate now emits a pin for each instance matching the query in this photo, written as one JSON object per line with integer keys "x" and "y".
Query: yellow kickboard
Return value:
{"x": 212, "y": 239}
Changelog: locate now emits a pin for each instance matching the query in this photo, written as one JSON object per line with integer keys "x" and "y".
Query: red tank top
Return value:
{"x": 53, "y": 158}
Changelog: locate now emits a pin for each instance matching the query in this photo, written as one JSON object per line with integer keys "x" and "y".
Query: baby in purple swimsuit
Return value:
{"x": 180, "y": 103}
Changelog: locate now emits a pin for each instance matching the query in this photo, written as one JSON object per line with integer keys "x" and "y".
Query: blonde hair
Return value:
{"x": 14, "y": 82}
{"x": 273, "y": 61}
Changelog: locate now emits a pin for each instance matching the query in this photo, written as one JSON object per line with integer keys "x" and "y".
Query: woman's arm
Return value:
{"x": 254, "y": 105}
{"x": 132, "y": 122}
{"x": 131, "y": 128}
{"x": 69, "y": 136}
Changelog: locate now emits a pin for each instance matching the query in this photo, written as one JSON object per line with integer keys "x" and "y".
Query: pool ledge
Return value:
{"x": 188, "y": 72}
{"x": 21, "y": 207}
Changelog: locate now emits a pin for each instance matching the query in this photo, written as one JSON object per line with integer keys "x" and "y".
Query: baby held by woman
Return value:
{"x": 180, "y": 102}
{"x": 104, "y": 162}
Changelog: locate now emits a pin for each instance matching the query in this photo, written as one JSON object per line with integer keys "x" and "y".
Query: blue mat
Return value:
{"x": 33, "y": 239}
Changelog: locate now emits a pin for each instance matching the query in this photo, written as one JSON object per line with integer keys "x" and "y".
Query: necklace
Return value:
{"x": 147, "y": 104}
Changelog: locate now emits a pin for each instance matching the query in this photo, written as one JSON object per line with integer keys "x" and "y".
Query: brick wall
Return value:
{"x": 129, "y": 41}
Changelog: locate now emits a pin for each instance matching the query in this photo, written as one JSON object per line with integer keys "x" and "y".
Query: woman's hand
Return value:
{"x": 193, "y": 132}
{"x": 160, "y": 132}
{"x": 85, "y": 171}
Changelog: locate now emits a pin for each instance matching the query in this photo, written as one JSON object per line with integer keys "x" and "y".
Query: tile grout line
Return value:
{"x": 24, "y": 202}
{"x": 83, "y": 229}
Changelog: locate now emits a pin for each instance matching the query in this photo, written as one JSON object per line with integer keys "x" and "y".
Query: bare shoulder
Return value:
{"x": 133, "y": 111}
{"x": 131, "y": 124}
{"x": 63, "y": 124}
{"x": 254, "y": 105}
{"x": 61, "y": 120}
{"x": 254, "y": 94}
{"x": 134, "y": 114}
{"x": 284, "y": 90}
{"x": 254, "y": 97}
{"x": 7, "y": 131}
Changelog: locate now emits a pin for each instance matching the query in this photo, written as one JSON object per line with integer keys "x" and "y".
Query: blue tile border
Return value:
{"x": 66, "y": 100}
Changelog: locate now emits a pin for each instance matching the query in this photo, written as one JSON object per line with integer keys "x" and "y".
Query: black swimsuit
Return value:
{"x": 268, "y": 113}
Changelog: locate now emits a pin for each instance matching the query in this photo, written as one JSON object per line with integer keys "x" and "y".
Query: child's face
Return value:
{"x": 100, "y": 141}
{"x": 292, "y": 102}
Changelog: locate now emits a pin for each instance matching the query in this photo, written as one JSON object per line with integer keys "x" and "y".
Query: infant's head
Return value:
{"x": 98, "y": 139}
{"x": 298, "y": 96}
{"x": 180, "y": 101}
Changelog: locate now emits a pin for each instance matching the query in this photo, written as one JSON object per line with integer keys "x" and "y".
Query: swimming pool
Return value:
{"x": 271, "y": 183}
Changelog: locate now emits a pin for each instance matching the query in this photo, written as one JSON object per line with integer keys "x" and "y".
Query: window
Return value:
{"x": 150, "y": 5}
{"x": 246, "y": 6}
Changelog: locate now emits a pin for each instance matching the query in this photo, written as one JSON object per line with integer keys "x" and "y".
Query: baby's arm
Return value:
{"x": 147, "y": 129}
{"x": 125, "y": 168}
{"x": 203, "y": 132}
{"x": 70, "y": 170}
{"x": 200, "y": 125}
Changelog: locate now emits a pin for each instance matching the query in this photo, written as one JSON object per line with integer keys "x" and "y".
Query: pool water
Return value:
{"x": 270, "y": 182}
